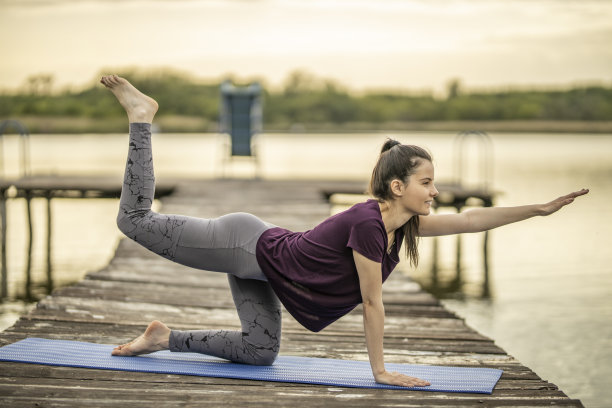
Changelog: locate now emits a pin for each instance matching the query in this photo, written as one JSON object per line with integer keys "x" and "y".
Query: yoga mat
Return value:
{"x": 326, "y": 371}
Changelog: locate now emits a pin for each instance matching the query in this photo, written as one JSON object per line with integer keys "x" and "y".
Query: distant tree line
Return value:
{"x": 307, "y": 100}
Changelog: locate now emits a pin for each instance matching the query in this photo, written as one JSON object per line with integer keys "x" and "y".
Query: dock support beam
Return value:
{"x": 3, "y": 219}
{"x": 486, "y": 290}
{"x": 28, "y": 269}
{"x": 458, "y": 278}
{"x": 49, "y": 233}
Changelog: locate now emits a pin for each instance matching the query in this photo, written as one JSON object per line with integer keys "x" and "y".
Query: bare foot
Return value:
{"x": 139, "y": 107}
{"x": 155, "y": 338}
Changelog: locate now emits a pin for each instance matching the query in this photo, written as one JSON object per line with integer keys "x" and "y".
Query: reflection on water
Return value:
{"x": 550, "y": 301}
{"x": 450, "y": 282}
{"x": 84, "y": 239}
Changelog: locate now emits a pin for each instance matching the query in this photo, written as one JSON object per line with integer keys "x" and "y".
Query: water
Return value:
{"x": 551, "y": 277}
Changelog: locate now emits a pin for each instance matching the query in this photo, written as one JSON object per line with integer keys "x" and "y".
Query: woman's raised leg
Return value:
{"x": 225, "y": 244}
{"x": 156, "y": 232}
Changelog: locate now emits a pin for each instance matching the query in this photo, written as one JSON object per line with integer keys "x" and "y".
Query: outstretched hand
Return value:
{"x": 556, "y": 205}
{"x": 393, "y": 378}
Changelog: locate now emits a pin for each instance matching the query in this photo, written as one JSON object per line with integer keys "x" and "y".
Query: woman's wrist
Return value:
{"x": 378, "y": 375}
{"x": 540, "y": 210}
{"x": 378, "y": 371}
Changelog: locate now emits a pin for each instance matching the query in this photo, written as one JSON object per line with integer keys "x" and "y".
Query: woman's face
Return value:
{"x": 418, "y": 194}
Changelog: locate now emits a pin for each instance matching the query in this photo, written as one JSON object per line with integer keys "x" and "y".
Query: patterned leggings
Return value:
{"x": 224, "y": 244}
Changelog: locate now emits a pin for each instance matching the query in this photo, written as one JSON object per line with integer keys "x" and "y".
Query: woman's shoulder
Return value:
{"x": 366, "y": 215}
{"x": 365, "y": 208}
{"x": 361, "y": 216}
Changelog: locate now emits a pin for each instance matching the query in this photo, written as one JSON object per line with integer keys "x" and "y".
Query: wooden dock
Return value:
{"x": 49, "y": 187}
{"x": 116, "y": 303}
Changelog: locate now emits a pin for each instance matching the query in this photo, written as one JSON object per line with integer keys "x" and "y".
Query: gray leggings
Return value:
{"x": 224, "y": 244}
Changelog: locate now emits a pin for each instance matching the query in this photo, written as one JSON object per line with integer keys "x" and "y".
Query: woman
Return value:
{"x": 319, "y": 275}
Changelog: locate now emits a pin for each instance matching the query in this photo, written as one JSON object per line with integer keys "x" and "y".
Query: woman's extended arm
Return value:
{"x": 483, "y": 219}
{"x": 370, "y": 282}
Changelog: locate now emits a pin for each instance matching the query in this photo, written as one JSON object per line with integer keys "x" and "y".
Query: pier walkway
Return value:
{"x": 115, "y": 304}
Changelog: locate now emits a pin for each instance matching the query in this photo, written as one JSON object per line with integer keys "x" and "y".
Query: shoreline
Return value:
{"x": 195, "y": 124}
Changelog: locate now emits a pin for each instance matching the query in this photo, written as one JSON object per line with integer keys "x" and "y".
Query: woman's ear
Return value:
{"x": 397, "y": 187}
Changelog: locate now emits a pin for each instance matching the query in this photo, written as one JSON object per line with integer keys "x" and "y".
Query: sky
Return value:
{"x": 362, "y": 44}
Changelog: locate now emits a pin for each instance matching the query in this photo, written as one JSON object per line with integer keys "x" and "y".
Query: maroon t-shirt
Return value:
{"x": 313, "y": 273}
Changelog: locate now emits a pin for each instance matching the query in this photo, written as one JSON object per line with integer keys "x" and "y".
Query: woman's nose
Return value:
{"x": 434, "y": 191}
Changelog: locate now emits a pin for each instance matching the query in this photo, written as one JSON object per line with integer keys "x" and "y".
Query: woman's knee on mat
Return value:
{"x": 264, "y": 356}
{"x": 263, "y": 351}
{"x": 267, "y": 359}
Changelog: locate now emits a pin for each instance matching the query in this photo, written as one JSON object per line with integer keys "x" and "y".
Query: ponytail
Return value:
{"x": 399, "y": 161}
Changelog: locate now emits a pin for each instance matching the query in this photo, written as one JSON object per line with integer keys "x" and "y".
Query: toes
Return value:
{"x": 110, "y": 80}
{"x": 121, "y": 351}
{"x": 106, "y": 80}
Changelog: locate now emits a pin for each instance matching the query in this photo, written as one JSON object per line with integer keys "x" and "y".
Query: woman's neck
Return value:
{"x": 393, "y": 215}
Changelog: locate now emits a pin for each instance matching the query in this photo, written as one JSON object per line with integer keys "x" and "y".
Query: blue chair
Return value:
{"x": 240, "y": 116}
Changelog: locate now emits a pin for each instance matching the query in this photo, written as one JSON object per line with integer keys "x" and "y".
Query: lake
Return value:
{"x": 551, "y": 277}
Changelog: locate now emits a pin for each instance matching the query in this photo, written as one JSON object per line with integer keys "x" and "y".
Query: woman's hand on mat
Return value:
{"x": 557, "y": 204}
{"x": 393, "y": 378}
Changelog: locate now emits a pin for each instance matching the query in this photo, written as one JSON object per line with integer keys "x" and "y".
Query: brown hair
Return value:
{"x": 399, "y": 161}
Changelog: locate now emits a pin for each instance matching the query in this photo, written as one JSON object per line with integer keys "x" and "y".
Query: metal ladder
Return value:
{"x": 485, "y": 158}
{"x": 24, "y": 139}
{"x": 483, "y": 181}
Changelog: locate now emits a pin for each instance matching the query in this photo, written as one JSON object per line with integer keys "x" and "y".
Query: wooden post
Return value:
{"x": 49, "y": 231}
{"x": 458, "y": 277}
{"x": 28, "y": 270}
{"x": 434, "y": 264}
{"x": 486, "y": 289}
{"x": 3, "y": 219}
{"x": 486, "y": 285}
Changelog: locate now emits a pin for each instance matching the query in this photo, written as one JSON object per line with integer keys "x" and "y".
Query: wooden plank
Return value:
{"x": 349, "y": 326}
{"x": 17, "y": 370}
{"x": 238, "y": 390}
{"x": 76, "y": 186}
{"x": 295, "y": 339}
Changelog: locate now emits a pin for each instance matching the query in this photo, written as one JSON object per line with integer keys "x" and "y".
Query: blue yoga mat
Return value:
{"x": 307, "y": 370}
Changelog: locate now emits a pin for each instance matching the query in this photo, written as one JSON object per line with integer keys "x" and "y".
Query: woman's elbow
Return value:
{"x": 372, "y": 303}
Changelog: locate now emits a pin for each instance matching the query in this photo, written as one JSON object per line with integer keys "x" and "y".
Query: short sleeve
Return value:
{"x": 367, "y": 238}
